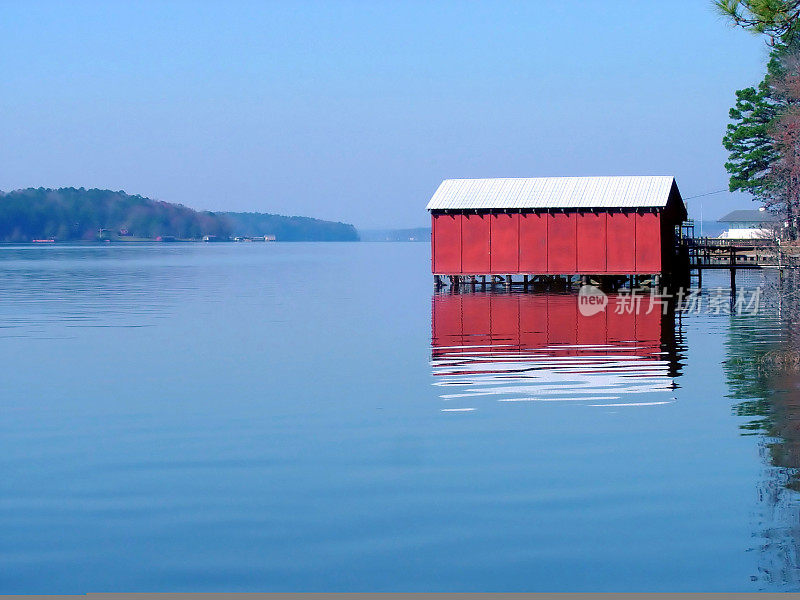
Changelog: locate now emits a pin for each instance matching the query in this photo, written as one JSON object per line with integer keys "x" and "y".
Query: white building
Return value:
{"x": 750, "y": 224}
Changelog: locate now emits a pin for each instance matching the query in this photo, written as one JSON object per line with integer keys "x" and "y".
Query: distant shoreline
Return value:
{"x": 88, "y": 215}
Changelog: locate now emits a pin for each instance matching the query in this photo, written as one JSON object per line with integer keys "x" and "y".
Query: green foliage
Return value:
{"x": 289, "y": 229}
{"x": 70, "y": 214}
{"x": 757, "y": 152}
{"x": 748, "y": 141}
{"x": 79, "y": 214}
{"x": 776, "y": 18}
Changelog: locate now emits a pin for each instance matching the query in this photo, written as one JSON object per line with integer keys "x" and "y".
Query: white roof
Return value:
{"x": 552, "y": 192}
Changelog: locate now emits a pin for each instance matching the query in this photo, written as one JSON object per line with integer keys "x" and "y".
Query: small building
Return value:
{"x": 556, "y": 226}
{"x": 750, "y": 224}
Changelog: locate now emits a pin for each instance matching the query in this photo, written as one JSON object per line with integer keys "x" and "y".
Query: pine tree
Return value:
{"x": 776, "y": 18}
{"x": 763, "y": 141}
{"x": 748, "y": 141}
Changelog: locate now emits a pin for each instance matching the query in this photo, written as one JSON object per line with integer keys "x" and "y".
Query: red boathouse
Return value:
{"x": 556, "y": 226}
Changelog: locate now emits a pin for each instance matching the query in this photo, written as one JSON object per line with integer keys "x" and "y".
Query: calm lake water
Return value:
{"x": 312, "y": 417}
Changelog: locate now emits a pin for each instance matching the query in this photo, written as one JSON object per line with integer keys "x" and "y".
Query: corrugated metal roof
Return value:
{"x": 552, "y": 192}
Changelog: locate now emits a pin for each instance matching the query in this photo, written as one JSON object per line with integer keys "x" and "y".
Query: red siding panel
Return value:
{"x": 475, "y": 244}
{"x": 591, "y": 243}
{"x": 533, "y": 243}
{"x": 562, "y": 246}
{"x": 447, "y": 244}
{"x": 555, "y": 243}
{"x": 648, "y": 243}
{"x": 620, "y": 243}
{"x": 505, "y": 243}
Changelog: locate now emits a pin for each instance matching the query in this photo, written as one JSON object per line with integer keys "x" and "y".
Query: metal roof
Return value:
{"x": 749, "y": 216}
{"x": 552, "y": 192}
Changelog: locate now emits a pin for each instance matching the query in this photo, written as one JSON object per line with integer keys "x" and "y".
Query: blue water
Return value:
{"x": 283, "y": 417}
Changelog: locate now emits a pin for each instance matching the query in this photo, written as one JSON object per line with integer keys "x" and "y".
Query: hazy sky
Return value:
{"x": 355, "y": 111}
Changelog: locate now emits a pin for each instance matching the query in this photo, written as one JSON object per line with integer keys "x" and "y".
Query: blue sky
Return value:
{"x": 355, "y": 111}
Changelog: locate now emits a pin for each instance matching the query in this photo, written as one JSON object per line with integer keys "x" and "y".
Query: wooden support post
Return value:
{"x": 483, "y": 282}
{"x": 699, "y": 278}
{"x": 733, "y": 281}
{"x": 437, "y": 282}
{"x": 525, "y": 282}
{"x": 508, "y": 282}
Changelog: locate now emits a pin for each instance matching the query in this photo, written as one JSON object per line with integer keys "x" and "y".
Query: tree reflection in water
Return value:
{"x": 763, "y": 376}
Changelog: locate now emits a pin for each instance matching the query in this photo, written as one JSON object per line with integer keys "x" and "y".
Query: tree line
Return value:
{"x": 763, "y": 138}
{"x": 72, "y": 214}
{"x": 289, "y": 229}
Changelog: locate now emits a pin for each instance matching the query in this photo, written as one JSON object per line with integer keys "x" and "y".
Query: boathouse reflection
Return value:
{"x": 522, "y": 347}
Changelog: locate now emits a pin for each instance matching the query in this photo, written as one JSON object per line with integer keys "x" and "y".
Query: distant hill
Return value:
{"x": 71, "y": 214}
{"x": 289, "y": 229}
{"x": 417, "y": 234}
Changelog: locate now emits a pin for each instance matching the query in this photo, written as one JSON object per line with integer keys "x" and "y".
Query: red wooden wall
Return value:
{"x": 475, "y": 244}
{"x": 504, "y": 242}
{"x": 446, "y": 243}
{"x": 566, "y": 243}
{"x": 533, "y": 243}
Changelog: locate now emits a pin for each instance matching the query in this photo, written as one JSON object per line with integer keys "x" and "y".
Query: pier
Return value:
{"x": 732, "y": 254}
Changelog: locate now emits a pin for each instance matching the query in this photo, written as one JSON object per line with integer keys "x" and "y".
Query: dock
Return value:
{"x": 732, "y": 254}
